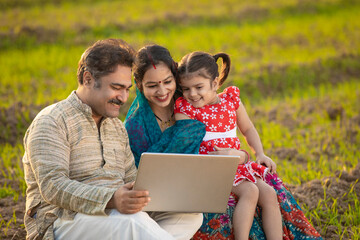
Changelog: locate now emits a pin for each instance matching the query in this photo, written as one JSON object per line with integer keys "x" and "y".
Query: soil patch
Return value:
{"x": 9, "y": 208}
{"x": 15, "y": 120}
{"x": 344, "y": 189}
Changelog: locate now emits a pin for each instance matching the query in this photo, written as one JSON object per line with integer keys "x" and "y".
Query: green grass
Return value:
{"x": 5, "y": 225}
{"x": 323, "y": 142}
{"x": 46, "y": 72}
{"x": 6, "y": 191}
{"x": 346, "y": 223}
{"x": 11, "y": 170}
{"x": 67, "y": 14}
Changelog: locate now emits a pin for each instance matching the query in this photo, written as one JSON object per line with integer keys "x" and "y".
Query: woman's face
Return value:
{"x": 159, "y": 86}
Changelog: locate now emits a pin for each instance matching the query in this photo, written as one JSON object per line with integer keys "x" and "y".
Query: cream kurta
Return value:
{"x": 71, "y": 166}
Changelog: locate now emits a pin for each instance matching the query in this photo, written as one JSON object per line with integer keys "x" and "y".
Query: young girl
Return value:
{"x": 221, "y": 113}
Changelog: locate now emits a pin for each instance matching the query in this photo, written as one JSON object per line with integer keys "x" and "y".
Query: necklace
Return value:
{"x": 167, "y": 123}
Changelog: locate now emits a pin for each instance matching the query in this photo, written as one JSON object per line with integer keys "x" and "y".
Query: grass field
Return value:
{"x": 296, "y": 62}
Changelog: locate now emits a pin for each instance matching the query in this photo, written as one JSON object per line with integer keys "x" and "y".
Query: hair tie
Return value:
{"x": 151, "y": 60}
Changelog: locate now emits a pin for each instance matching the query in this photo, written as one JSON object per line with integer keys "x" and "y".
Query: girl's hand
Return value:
{"x": 230, "y": 151}
{"x": 268, "y": 162}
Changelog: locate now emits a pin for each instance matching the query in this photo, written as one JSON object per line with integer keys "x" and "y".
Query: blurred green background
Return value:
{"x": 296, "y": 62}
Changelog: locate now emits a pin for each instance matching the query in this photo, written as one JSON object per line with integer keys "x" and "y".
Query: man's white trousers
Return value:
{"x": 141, "y": 225}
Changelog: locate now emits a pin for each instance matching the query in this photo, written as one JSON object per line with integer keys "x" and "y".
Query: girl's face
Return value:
{"x": 159, "y": 86}
{"x": 199, "y": 91}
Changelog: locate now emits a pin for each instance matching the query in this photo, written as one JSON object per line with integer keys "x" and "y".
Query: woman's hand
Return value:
{"x": 230, "y": 151}
{"x": 268, "y": 162}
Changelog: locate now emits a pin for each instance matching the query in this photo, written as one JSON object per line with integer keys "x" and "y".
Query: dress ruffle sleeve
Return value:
{"x": 184, "y": 107}
{"x": 233, "y": 94}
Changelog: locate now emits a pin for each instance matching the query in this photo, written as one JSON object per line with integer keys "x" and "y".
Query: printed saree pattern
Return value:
{"x": 295, "y": 224}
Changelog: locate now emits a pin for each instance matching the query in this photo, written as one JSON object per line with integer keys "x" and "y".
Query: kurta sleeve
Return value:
{"x": 49, "y": 157}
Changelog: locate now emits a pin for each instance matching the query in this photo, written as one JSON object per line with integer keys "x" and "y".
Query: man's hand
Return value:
{"x": 268, "y": 162}
{"x": 129, "y": 201}
{"x": 230, "y": 151}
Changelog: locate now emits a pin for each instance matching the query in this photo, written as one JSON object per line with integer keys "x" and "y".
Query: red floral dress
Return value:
{"x": 220, "y": 121}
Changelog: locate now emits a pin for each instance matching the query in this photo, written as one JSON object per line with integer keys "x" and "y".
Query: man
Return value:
{"x": 78, "y": 165}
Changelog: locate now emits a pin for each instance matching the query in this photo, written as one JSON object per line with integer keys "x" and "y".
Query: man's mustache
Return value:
{"x": 116, "y": 101}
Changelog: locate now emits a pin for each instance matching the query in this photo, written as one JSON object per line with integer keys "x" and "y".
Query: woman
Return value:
{"x": 151, "y": 114}
{"x": 152, "y": 128}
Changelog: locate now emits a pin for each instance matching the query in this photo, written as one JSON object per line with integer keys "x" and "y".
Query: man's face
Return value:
{"x": 113, "y": 92}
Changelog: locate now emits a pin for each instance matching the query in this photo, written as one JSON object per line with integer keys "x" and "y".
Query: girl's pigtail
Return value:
{"x": 225, "y": 68}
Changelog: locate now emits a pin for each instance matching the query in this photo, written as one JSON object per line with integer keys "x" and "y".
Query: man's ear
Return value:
{"x": 87, "y": 78}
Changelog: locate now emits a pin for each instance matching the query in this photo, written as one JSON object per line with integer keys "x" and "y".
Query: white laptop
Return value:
{"x": 186, "y": 182}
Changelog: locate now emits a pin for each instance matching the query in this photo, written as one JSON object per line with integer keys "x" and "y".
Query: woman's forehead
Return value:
{"x": 161, "y": 72}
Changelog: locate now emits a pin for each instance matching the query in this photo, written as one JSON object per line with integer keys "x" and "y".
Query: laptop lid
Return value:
{"x": 186, "y": 182}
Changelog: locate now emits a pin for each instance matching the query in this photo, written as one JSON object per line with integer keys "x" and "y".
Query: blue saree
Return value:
{"x": 185, "y": 137}
{"x": 145, "y": 134}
